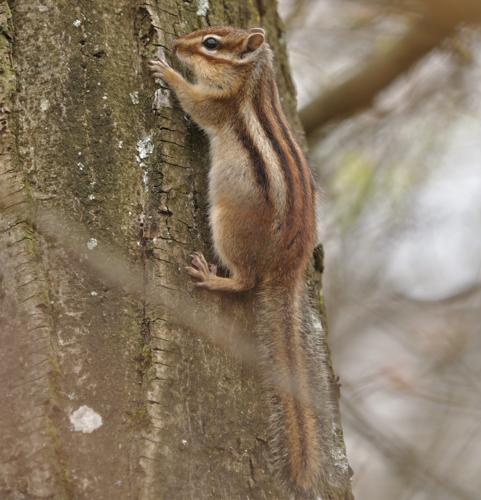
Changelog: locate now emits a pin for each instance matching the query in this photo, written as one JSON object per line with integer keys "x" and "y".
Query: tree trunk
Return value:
{"x": 118, "y": 379}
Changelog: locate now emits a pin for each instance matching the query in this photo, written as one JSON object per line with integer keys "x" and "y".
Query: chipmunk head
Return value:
{"x": 215, "y": 55}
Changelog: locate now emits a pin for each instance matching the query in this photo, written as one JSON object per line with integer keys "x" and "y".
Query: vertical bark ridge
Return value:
{"x": 28, "y": 453}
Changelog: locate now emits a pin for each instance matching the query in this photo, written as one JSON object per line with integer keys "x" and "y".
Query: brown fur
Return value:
{"x": 262, "y": 217}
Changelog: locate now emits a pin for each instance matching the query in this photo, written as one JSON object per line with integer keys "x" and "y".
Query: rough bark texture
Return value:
{"x": 182, "y": 418}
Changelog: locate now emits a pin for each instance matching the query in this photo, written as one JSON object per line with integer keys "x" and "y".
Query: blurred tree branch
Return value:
{"x": 403, "y": 458}
{"x": 438, "y": 20}
{"x": 297, "y": 13}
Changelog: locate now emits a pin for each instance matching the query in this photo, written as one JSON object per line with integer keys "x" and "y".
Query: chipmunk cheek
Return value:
{"x": 182, "y": 51}
{"x": 184, "y": 57}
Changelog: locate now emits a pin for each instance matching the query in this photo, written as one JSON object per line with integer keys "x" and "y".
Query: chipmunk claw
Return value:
{"x": 200, "y": 271}
{"x": 158, "y": 67}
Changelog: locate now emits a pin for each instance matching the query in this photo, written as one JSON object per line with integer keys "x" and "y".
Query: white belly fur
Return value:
{"x": 231, "y": 181}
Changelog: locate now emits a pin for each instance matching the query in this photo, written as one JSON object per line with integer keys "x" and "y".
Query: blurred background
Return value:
{"x": 390, "y": 97}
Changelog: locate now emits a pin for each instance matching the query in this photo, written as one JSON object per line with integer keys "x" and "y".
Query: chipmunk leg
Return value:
{"x": 205, "y": 276}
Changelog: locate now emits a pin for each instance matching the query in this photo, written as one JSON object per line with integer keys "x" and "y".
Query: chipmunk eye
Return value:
{"x": 211, "y": 43}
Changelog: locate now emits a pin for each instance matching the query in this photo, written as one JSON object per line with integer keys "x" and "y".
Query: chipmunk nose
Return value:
{"x": 174, "y": 46}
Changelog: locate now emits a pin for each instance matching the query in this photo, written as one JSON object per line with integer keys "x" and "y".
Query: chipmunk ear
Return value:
{"x": 254, "y": 40}
{"x": 257, "y": 30}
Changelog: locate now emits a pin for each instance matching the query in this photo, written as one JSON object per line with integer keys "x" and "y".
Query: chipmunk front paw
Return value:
{"x": 160, "y": 68}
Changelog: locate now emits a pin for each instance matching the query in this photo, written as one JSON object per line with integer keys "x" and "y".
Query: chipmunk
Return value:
{"x": 262, "y": 218}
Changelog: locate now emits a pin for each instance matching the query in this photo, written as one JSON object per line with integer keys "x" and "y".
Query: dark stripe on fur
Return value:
{"x": 256, "y": 159}
{"x": 293, "y": 385}
{"x": 300, "y": 162}
{"x": 276, "y": 146}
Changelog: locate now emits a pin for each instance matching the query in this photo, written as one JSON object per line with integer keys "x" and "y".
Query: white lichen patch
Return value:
{"x": 202, "y": 7}
{"x": 145, "y": 180}
{"x": 316, "y": 322}
{"x": 44, "y": 105}
{"x": 161, "y": 53}
{"x": 85, "y": 420}
{"x": 337, "y": 453}
{"x": 120, "y": 144}
{"x": 92, "y": 243}
{"x": 77, "y": 23}
{"x": 134, "y": 97}
{"x": 340, "y": 459}
{"x": 145, "y": 147}
{"x": 161, "y": 99}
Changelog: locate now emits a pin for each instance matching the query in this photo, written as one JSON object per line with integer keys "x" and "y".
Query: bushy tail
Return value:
{"x": 289, "y": 367}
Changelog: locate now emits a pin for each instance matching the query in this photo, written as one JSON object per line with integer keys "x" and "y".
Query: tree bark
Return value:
{"x": 102, "y": 200}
